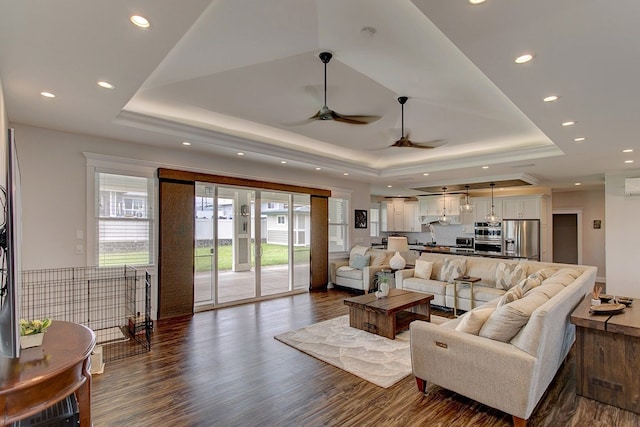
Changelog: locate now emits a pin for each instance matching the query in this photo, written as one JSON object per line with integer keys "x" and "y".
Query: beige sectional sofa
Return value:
{"x": 493, "y": 280}
{"x": 359, "y": 271}
{"x": 504, "y": 353}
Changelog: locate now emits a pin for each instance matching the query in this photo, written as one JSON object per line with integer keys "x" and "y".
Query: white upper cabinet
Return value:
{"x": 411, "y": 222}
{"x": 521, "y": 207}
{"x": 482, "y": 207}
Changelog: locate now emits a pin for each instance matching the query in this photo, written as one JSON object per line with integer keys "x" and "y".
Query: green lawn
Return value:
{"x": 271, "y": 255}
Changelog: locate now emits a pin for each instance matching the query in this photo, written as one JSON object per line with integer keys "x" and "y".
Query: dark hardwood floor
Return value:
{"x": 223, "y": 368}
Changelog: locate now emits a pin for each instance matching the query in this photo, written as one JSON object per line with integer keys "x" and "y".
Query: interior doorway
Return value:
{"x": 567, "y": 236}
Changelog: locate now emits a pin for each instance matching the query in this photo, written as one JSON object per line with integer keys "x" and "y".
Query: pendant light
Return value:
{"x": 492, "y": 218}
{"x": 443, "y": 220}
{"x": 467, "y": 207}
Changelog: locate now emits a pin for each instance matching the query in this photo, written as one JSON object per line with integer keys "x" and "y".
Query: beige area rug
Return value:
{"x": 373, "y": 358}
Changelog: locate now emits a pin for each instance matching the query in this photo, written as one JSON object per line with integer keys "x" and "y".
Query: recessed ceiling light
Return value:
{"x": 240, "y": 154}
{"x": 628, "y": 161}
{"x": 485, "y": 167}
{"x": 47, "y": 94}
{"x": 425, "y": 174}
{"x": 579, "y": 139}
{"x": 389, "y": 186}
{"x": 186, "y": 143}
{"x": 140, "y": 21}
{"x": 105, "y": 84}
{"x": 318, "y": 169}
{"x": 569, "y": 123}
{"x": 476, "y": 1}
{"x": 524, "y": 58}
{"x": 346, "y": 174}
{"x": 628, "y": 150}
{"x": 284, "y": 162}
{"x": 578, "y": 183}
{"x": 550, "y": 98}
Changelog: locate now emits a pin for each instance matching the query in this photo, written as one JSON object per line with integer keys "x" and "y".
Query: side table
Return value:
{"x": 607, "y": 346}
{"x": 385, "y": 274}
{"x": 462, "y": 280}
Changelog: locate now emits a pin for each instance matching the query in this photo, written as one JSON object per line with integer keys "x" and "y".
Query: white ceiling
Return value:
{"x": 244, "y": 75}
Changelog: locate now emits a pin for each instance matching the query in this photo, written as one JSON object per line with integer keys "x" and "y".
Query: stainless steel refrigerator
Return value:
{"x": 521, "y": 238}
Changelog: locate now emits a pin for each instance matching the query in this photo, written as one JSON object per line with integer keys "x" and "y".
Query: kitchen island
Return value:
{"x": 465, "y": 252}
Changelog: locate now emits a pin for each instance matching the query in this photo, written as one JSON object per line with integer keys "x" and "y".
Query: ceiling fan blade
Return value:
{"x": 326, "y": 114}
{"x": 430, "y": 144}
{"x": 354, "y": 120}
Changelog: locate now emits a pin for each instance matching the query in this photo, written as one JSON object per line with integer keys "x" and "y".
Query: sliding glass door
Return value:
{"x": 250, "y": 243}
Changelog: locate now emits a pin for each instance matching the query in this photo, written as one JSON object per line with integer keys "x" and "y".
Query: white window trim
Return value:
{"x": 122, "y": 166}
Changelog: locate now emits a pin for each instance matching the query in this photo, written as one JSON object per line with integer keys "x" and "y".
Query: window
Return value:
{"x": 338, "y": 225}
{"x": 124, "y": 223}
{"x": 281, "y": 219}
{"x": 374, "y": 222}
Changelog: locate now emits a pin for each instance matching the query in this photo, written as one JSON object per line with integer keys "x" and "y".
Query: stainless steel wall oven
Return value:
{"x": 488, "y": 237}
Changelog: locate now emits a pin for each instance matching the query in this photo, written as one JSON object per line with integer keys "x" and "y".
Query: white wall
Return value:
{"x": 623, "y": 235}
{"x": 54, "y": 181}
{"x": 592, "y": 203}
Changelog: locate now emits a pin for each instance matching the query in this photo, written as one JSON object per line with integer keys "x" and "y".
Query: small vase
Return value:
{"x": 595, "y": 301}
{"x": 28, "y": 341}
{"x": 384, "y": 289}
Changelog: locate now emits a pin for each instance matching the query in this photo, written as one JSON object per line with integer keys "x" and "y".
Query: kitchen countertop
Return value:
{"x": 452, "y": 250}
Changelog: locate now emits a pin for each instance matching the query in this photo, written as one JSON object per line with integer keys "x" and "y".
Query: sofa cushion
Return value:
{"x": 349, "y": 272}
{"x": 429, "y": 286}
{"x": 564, "y": 276}
{"x": 359, "y": 261}
{"x": 423, "y": 269}
{"x": 511, "y": 295}
{"x": 473, "y": 320}
{"x": 452, "y": 268}
{"x": 547, "y": 289}
{"x": 509, "y": 275}
{"x": 508, "y": 319}
{"x": 378, "y": 257}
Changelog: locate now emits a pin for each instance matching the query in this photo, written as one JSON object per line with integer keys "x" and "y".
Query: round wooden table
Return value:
{"x": 44, "y": 375}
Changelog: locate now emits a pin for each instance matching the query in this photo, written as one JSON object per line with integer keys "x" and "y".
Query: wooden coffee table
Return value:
{"x": 389, "y": 315}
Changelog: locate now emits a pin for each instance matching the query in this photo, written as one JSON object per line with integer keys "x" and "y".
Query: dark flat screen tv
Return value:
{"x": 10, "y": 239}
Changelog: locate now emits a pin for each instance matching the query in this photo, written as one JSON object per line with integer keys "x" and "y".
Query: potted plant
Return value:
{"x": 32, "y": 332}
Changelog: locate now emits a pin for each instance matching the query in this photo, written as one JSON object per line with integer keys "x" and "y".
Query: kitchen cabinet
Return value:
{"x": 521, "y": 207}
{"x": 431, "y": 207}
{"x": 482, "y": 207}
{"x": 394, "y": 215}
{"x": 411, "y": 222}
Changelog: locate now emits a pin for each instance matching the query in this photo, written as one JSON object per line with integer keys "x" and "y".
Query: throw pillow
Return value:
{"x": 511, "y": 295}
{"x": 359, "y": 261}
{"x": 423, "y": 269}
{"x": 452, "y": 268}
{"x": 472, "y": 322}
{"x": 506, "y": 321}
{"x": 509, "y": 275}
{"x": 529, "y": 283}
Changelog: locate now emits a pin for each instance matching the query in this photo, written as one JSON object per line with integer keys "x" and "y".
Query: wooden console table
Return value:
{"x": 607, "y": 349}
{"x": 45, "y": 375}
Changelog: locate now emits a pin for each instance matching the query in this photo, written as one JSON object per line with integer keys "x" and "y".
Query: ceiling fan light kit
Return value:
{"x": 325, "y": 113}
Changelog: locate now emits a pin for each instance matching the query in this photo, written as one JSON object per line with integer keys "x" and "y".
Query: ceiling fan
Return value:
{"x": 404, "y": 141}
{"x": 326, "y": 114}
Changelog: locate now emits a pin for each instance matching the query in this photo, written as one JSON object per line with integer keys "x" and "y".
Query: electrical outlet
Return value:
{"x": 79, "y": 235}
{"x": 79, "y": 249}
